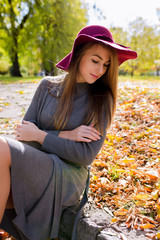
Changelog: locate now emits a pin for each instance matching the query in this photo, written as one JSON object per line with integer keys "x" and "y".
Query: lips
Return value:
{"x": 94, "y": 76}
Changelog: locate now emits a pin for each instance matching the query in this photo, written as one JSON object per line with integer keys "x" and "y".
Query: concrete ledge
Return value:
{"x": 95, "y": 224}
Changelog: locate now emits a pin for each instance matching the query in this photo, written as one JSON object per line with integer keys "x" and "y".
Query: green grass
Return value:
{"x": 154, "y": 79}
{"x": 10, "y": 80}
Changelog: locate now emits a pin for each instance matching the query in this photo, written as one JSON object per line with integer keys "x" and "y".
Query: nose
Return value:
{"x": 101, "y": 69}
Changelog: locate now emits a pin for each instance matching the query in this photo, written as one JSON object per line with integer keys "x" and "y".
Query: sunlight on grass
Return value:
{"x": 146, "y": 79}
{"x": 10, "y": 80}
{"x": 35, "y": 79}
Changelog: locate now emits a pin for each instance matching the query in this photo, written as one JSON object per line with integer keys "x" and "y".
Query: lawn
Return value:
{"x": 10, "y": 80}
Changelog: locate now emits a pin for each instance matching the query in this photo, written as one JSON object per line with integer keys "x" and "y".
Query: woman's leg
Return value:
{"x": 5, "y": 164}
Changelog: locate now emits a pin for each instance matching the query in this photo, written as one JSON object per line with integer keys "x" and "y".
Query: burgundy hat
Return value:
{"x": 96, "y": 33}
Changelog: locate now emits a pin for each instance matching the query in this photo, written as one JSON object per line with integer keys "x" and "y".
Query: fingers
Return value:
{"x": 26, "y": 122}
{"x": 18, "y": 137}
{"x": 83, "y": 139}
{"x": 91, "y": 128}
{"x": 18, "y": 130}
{"x": 91, "y": 132}
{"x": 88, "y": 134}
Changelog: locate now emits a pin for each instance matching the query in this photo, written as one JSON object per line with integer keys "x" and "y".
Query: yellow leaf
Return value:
{"x": 20, "y": 92}
{"x": 111, "y": 137}
{"x": 107, "y": 153}
{"x": 158, "y": 218}
{"x": 158, "y": 208}
{"x": 150, "y": 130}
{"x": 95, "y": 177}
{"x": 121, "y": 170}
{"x": 108, "y": 143}
{"x": 147, "y": 225}
{"x": 140, "y": 203}
{"x": 158, "y": 235}
{"x": 131, "y": 156}
{"x": 154, "y": 145}
{"x": 119, "y": 139}
{"x": 114, "y": 220}
{"x": 125, "y": 126}
{"x": 121, "y": 212}
{"x": 6, "y": 103}
{"x": 97, "y": 163}
{"x": 142, "y": 196}
{"x": 155, "y": 194}
{"x": 153, "y": 150}
{"x": 125, "y": 161}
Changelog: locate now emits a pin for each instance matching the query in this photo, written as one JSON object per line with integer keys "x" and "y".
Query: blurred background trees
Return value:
{"x": 35, "y": 34}
{"x": 145, "y": 40}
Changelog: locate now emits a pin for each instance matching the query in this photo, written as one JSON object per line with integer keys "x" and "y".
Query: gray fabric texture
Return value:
{"x": 46, "y": 179}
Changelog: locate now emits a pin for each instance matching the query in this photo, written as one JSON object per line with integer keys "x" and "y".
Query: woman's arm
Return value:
{"x": 73, "y": 151}
{"x": 80, "y": 145}
{"x": 81, "y": 134}
{"x": 28, "y": 131}
{"x": 37, "y": 100}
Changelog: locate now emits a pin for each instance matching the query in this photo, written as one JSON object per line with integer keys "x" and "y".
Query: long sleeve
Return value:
{"x": 32, "y": 111}
{"x": 76, "y": 152}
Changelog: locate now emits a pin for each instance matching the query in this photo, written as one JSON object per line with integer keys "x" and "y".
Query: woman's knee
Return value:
{"x": 5, "y": 151}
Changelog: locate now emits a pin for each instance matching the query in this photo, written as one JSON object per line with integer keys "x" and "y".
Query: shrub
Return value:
{"x": 4, "y": 67}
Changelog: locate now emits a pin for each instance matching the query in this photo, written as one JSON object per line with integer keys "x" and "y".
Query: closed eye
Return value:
{"x": 94, "y": 61}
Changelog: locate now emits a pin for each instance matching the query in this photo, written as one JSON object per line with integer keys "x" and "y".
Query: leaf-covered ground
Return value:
{"x": 125, "y": 176}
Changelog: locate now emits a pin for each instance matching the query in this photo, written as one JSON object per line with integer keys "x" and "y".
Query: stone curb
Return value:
{"x": 95, "y": 224}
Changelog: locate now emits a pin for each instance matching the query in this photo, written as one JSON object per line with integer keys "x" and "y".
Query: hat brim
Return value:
{"x": 123, "y": 52}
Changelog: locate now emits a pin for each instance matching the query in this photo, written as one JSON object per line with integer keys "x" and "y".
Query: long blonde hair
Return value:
{"x": 103, "y": 93}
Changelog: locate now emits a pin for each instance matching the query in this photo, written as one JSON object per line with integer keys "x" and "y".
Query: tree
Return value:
{"x": 59, "y": 23}
{"x": 13, "y": 16}
{"x": 39, "y": 29}
{"x": 145, "y": 40}
{"x": 121, "y": 37}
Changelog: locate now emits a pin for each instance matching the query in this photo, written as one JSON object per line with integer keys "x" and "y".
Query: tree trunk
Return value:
{"x": 132, "y": 71}
{"x": 52, "y": 68}
{"x": 15, "y": 72}
{"x": 158, "y": 68}
{"x": 15, "y": 66}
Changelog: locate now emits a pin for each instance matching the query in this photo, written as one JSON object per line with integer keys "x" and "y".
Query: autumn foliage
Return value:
{"x": 125, "y": 174}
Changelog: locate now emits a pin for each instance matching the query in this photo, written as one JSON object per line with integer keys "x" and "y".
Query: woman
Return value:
{"x": 61, "y": 134}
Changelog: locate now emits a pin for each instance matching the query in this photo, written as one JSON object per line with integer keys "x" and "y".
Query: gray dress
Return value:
{"x": 46, "y": 179}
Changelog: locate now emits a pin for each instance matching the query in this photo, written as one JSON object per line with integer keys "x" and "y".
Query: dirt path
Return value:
{"x": 14, "y": 101}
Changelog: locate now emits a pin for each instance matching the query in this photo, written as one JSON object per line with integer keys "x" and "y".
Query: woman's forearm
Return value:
{"x": 81, "y": 134}
{"x": 40, "y": 136}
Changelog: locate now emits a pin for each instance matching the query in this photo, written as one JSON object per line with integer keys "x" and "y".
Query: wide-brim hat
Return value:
{"x": 96, "y": 33}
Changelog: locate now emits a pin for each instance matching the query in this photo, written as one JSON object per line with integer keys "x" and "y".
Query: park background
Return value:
{"x": 35, "y": 35}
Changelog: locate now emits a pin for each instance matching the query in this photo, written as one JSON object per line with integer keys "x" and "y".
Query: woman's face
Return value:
{"x": 93, "y": 64}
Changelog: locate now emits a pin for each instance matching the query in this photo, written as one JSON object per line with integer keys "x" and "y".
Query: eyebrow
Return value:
{"x": 96, "y": 55}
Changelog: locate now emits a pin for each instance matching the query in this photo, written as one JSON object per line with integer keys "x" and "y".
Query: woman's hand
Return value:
{"x": 81, "y": 134}
{"x": 26, "y": 131}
